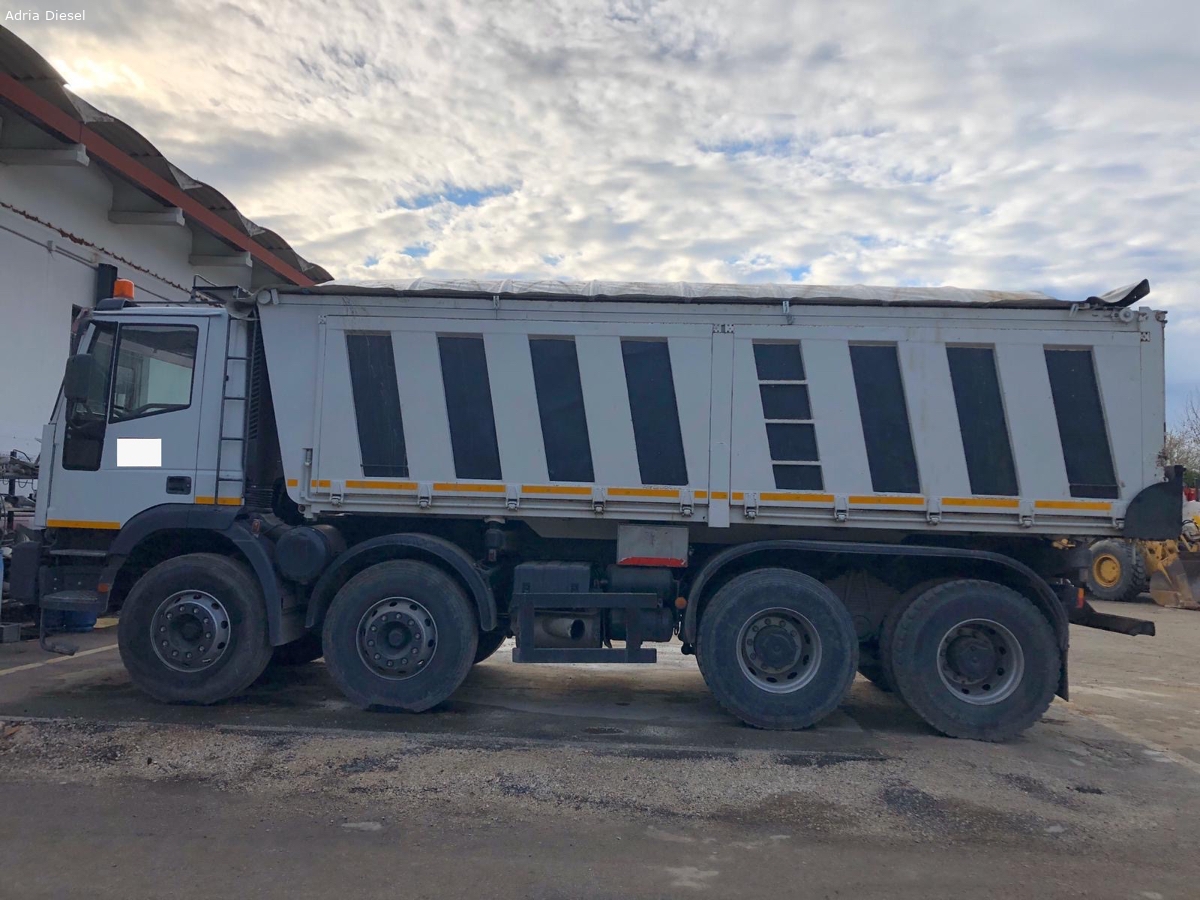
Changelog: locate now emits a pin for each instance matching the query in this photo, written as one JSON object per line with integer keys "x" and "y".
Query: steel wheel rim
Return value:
{"x": 190, "y": 631}
{"x": 778, "y": 650}
{"x": 1106, "y": 569}
{"x": 397, "y": 637}
{"x": 980, "y": 662}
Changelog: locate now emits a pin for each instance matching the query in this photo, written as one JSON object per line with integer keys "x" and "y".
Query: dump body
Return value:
{"x": 909, "y": 419}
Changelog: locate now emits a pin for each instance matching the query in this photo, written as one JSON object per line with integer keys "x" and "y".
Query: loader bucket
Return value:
{"x": 1174, "y": 574}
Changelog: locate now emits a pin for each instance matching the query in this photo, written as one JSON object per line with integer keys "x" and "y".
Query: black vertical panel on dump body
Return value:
{"x": 469, "y": 407}
{"x": 886, "y": 431}
{"x": 377, "y": 405}
{"x": 791, "y": 434}
{"x": 1077, "y": 407}
{"x": 652, "y": 405}
{"x": 986, "y": 444}
{"x": 561, "y": 410}
{"x": 778, "y": 362}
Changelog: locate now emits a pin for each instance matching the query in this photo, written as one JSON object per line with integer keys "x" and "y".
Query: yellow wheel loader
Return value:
{"x": 1168, "y": 570}
{"x": 1174, "y": 568}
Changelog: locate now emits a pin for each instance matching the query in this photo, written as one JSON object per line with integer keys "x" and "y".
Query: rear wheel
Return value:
{"x": 976, "y": 659}
{"x": 194, "y": 630}
{"x": 400, "y": 635}
{"x": 1118, "y": 571}
{"x": 777, "y": 649}
{"x": 877, "y": 667}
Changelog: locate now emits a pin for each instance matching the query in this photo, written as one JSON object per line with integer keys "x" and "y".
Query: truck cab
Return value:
{"x": 143, "y": 456}
{"x": 125, "y": 435}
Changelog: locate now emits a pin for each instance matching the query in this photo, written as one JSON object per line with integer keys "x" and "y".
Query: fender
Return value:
{"x": 1155, "y": 512}
{"x": 404, "y": 546}
{"x": 1044, "y": 597}
{"x": 172, "y": 516}
{"x": 281, "y": 627}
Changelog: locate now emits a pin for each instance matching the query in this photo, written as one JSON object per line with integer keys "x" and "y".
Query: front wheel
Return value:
{"x": 1118, "y": 571}
{"x": 194, "y": 630}
{"x": 777, "y": 648}
{"x": 976, "y": 659}
{"x": 400, "y": 635}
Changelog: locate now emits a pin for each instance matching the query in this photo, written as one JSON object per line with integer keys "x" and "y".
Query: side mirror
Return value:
{"x": 82, "y": 372}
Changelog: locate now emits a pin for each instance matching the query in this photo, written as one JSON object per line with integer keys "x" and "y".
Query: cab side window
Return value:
{"x": 153, "y": 374}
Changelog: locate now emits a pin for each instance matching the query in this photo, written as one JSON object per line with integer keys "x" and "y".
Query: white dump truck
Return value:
{"x": 796, "y": 482}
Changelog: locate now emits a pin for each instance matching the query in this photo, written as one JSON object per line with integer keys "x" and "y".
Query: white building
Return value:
{"x": 85, "y": 199}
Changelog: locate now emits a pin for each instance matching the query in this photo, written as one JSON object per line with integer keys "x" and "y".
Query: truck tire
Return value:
{"x": 489, "y": 643}
{"x": 194, "y": 630}
{"x": 400, "y": 635}
{"x": 976, "y": 659}
{"x": 877, "y": 668}
{"x": 1117, "y": 572}
{"x": 777, "y": 649}
{"x": 300, "y": 651}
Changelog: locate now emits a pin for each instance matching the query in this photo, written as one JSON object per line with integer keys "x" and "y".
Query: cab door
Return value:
{"x": 132, "y": 443}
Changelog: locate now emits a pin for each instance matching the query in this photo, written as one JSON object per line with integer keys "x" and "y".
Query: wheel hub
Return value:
{"x": 397, "y": 638}
{"x": 190, "y": 631}
{"x": 778, "y": 650}
{"x": 1107, "y": 570}
{"x": 980, "y": 662}
{"x": 972, "y": 657}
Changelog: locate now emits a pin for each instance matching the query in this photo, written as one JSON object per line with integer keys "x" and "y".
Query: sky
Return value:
{"x": 1051, "y": 146}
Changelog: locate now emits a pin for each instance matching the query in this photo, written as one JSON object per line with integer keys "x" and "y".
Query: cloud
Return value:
{"x": 1020, "y": 145}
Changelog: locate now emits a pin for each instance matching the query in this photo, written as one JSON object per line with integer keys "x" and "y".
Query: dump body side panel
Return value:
{"x": 851, "y": 418}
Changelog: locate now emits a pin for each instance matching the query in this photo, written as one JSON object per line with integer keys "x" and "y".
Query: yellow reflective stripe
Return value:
{"x": 220, "y": 501}
{"x": 292, "y": 482}
{"x": 383, "y": 485}
{"x": 1096, "y": 505}
{"x": 578, "y": 490}
{"x": 570, "y": 490}
{"x": 987, "y": 502}
{"x": 796, "y": 496}
{"x": 643, "y": 492}
{"x": 78, "y": 523}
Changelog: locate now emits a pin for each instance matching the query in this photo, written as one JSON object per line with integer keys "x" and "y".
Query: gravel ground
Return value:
{"x": 952, "y": 791}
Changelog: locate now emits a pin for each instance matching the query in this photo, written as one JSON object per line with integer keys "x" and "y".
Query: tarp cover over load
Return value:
{"x": 697, "y": 292}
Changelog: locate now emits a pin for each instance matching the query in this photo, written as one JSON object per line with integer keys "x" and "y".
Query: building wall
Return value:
{"x": 44, "y": 273}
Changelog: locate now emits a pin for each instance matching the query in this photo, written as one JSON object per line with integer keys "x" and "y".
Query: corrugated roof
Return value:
{"x": 23, "y": 64}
